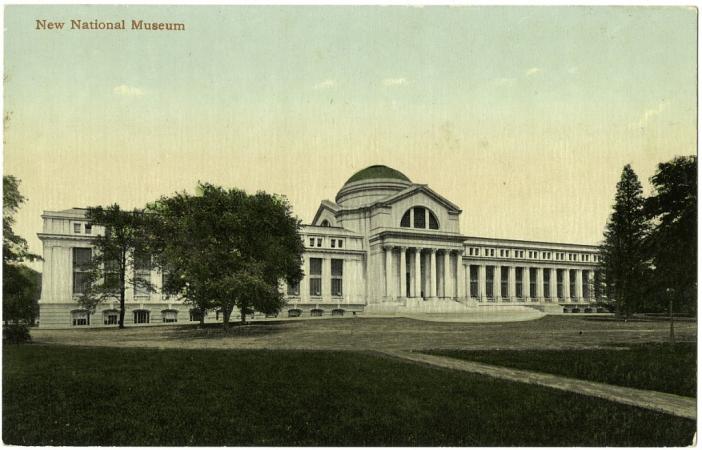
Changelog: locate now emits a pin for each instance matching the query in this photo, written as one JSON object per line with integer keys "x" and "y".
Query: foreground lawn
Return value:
{"x": 653, "y": 366}
{"x": 55, "y": 395}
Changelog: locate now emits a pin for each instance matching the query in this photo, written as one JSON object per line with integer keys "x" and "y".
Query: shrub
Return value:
{"x": 16, "y": 333}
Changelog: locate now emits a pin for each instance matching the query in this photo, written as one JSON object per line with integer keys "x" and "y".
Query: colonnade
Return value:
{"x": 431, "y": 272}
{"x": 498, "y": 282}
{"x": 423, "y": 272}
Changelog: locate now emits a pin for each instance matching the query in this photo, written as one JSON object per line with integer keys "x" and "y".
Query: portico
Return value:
{"x": 420, "y": 271}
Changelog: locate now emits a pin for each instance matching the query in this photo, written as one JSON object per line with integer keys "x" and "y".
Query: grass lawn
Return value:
{"x": 652, "y": 366}
{"x": 60, "y": 395}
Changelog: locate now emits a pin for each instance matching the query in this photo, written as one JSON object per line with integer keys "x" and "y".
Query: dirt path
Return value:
{"x": 658, "y": 401}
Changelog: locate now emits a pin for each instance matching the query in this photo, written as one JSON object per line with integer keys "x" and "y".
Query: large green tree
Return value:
{"x": 20, "y": 284}
{"x": 624, "y": 258}
{"x": 225, "y": 249}
{"x": 672, "y": 208}
{"x": 123, "y": 244}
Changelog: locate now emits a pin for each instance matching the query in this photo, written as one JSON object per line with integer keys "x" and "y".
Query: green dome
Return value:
{"x": 378, "y": 171}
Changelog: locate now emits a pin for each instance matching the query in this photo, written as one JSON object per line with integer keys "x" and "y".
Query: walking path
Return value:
{"x": 676, "y": 405}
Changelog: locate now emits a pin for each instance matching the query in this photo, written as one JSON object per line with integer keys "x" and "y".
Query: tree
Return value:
{"x": 623, "y": 249}
{"x": 20, "y": 284}
{"x": 14, "y": 247}
{"x": 21, "y": 292}
{"x": 226, "y": 249}
{"x": 124, "y": 244}
{"x": 672, "y": 208}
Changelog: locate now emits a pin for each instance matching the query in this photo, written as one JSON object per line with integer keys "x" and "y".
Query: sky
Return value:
{"x": 523, "y": 116}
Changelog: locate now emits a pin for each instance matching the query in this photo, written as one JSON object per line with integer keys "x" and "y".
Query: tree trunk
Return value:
{"x": 244, "y": 308}
{"x": 672, "y": 321}
{"x": 226, "y": 313}
{"x": 122, "y": 275}
{"x": 202, "y": 318}
{"x": 121, "y": 304}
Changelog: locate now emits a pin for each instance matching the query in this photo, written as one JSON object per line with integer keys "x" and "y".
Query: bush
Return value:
{"x": 16, "y": 333}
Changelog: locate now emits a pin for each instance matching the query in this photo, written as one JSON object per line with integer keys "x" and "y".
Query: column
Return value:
{"x": 305, "y": 282}
{"x": 553, "y": 282}
{"x": 432, "y": 273}
{"x": 540, "y": 283}
{"x": 566, "y": 284}
{"x": 388, "y": 271}
{"x": 418, "y": 272}
{"x": 578, "y": 285}
{"x": 462, "y": 276}
{"x": 481, "y": 282}
{"x": 403, "y": 272}
{"x": 497, "y": 282}
{"x": 447, "y": 274}
{"x": 526, "y": 283}
{"x": 512, "y": 283}
{"x": 326, "y": 280}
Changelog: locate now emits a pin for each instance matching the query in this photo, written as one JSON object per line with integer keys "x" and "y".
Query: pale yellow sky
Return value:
{"x": 523, "y": 116}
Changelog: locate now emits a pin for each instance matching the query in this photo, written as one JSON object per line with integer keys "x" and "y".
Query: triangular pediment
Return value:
{"x": 418, "y": 189}
{"x": 326, "y": 205}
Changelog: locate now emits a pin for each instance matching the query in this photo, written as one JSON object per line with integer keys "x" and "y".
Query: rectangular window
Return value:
{"x": 571, "y": 276}
{"x": 420, "y": 220}
{"x": 315, "y": 277}
{"x": 337, "y": 273}
{"x": 81, "y": 269}
{"x": 474, "y": 281}
{"x": 333, "y": 243}
{"x": 319, "y": 242}
{"x": 88, "y": 229}
{"x": 518, "y": 278}
{"x": 76, "y": 228}
{"x": 547, "y": 283}
{"x": 504, "y": 283}
{"x": 341, "y": 243}
{"x": 489, "y": 281}
{"x": 170, "y": 316}
{"x": 311, "y": 242}
{"x": 111, "y": 281}
{"x": 294, "y": 289}
{"x": 559, "y": 283}
{"x": 142, "y": 274}
{"x": 532, "y": 283}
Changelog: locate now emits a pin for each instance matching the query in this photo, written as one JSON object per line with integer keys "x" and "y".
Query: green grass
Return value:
{"x": 653, "y": 366}
{"x": 56, "y": 395}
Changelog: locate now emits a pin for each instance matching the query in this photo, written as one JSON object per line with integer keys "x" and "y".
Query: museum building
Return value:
{"x": 385, "y": 246}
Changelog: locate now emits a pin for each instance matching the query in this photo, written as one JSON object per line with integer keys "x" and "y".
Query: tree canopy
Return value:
{"x": 623, "y": 251}
{"x": 123, "y": 245}
{"x": 21, "y": 286}
{"x": 672, "y": 210}
{"x": 226, "y": 249}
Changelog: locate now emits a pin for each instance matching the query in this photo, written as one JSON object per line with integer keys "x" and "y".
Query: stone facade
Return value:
{"x": 384, "y": 245}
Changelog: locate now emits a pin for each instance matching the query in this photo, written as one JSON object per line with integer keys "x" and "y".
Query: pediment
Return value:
{"x": 421, "y": 189}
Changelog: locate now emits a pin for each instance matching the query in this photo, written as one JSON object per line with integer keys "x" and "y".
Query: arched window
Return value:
{"x": 405, "y": 222}
{"x": 141, "y": 316}
{"x": 422, "y": 218}
{"x": 325, "y": 223}
{"x": 110, "y": 316}
{"x": 169, "y": 315}
{"x": 80, "y": 317}
{"x": 433, "y": 223}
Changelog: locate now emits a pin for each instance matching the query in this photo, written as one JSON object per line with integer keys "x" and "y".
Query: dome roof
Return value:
{"x": 377, "y": 172}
